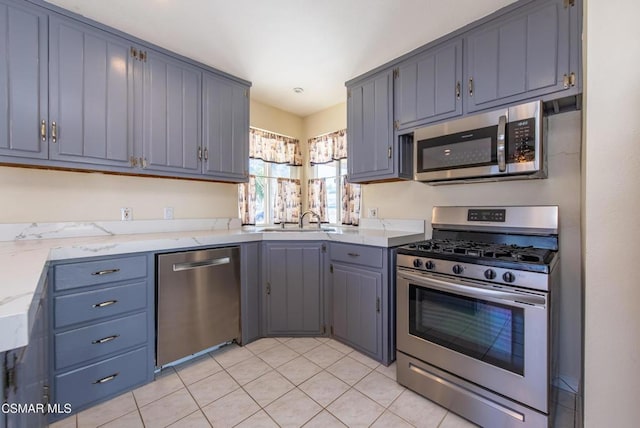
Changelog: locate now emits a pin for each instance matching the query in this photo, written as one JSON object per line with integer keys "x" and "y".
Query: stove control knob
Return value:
{"x": 490, "y": 274}
{"x": 508, "y": 277}
{"x": 417, "y": 263}
{"x": 457, "y": 269}
{"x": 429, "y": 265}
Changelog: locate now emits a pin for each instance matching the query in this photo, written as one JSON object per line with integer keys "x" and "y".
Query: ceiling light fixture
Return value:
{"x": 298, "y": 90}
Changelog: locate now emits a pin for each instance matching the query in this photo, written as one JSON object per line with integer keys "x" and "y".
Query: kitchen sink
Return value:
{"x": 305, "y": 229}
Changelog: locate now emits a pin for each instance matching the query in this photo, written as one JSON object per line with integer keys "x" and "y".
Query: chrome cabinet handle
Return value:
{"x": 471, "y": 86}
{"x": 43, "y": 130}
{"x": 500, "y": 147}
{"x": 105, "y": 272}
{"x": 353, "y": 254}
{"x": 458, "y": 90}
{"x": 199, "y": 153}
{"x": 105, "y": 339}
{"x": 143, "y": 162}
{"x": 106, "y": 379}
{"x": 54, "y": 132}
{"x": 206, "y": 154}
{"x": 104, "y": 304}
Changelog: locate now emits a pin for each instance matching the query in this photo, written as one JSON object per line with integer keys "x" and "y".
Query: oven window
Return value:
{"x": 487, "y": 331}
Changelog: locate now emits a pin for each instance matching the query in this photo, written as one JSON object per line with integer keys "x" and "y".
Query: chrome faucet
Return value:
{"x": 317, "y": 217}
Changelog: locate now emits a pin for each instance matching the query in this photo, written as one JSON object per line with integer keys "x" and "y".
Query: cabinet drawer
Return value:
{"x": 94, "y": 341}
{"x": 99, "y": 272}
{"x": 94, "y": 382}
{"x": 97, "y": 304}
{"x": 357, "y": 254}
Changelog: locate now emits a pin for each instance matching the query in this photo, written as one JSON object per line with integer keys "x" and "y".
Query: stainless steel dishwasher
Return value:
{"x": 198, "y": 301}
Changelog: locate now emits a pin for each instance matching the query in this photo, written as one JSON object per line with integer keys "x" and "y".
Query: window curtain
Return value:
{"x": 317, "y": 198}
{"x": 351, "y": 196}
{"x": 288, "y": 201}
{"x": 247, "y": 201}
{"x": 327, "y": 148}
{"x": 274, "y": 148}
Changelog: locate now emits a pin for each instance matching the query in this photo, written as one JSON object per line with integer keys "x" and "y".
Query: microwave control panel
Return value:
{"x": 521, "y": 141}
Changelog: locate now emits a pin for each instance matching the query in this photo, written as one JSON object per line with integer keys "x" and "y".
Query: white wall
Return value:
{"x": 611, "y": 208}
{"x": 38, "y": 195}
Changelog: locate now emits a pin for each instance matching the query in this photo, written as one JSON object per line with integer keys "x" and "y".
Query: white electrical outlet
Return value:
{"x": 168, "y": 213}
{"x": 373, "y": 213}
{"x": 126, "y": 214}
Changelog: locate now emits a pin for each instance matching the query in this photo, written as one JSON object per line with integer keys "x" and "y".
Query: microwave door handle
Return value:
{"x": 501, "y": 154}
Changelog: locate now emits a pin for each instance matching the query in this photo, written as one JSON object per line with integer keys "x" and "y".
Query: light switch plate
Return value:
{"x": 373, "y": 212}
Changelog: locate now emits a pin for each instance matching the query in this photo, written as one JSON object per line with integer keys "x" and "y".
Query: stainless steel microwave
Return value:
{"x": 501, "y": 144}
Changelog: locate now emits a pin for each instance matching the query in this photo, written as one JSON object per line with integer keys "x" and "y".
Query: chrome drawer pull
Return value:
{"x": 106, "y": 379}
{"x": 105, "y": 272}
{"x": 105, "y": 339}
{"x": 353, "y": 254}
{"x": 103, "y": 304}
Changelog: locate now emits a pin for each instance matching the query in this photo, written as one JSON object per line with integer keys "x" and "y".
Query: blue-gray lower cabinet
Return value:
{"x": 250, "y": 310}
{"x": 25, "y": 380}
{"x": 293, "y": 288}
{"x": 102, "y": 328}
{"x": 362, "y": 299}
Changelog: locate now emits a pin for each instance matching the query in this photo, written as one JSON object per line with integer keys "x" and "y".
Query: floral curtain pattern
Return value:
{"x": 317, "y": 198}
{"x": 288, "y": 201}
{"x": 274, "y": 148}
{"x": 247, "y": 201}
{"x": 351, "y": 197}
{"x": 327, "y": 148}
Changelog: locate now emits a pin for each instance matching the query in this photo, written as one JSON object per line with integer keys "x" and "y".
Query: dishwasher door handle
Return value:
{"x": 177, "y": 267}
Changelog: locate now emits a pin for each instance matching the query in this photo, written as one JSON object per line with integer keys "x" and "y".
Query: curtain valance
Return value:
{"x": 329, "y": 147}
{"x": 274, "y": 148}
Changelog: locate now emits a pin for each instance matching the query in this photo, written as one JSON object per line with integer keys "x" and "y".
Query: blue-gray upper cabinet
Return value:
{"x": 91, "y": 100}
{"x": 293, "y": 303}
{"x": 428, "y": 87}
{"x": 23, "y": 81}
{"x": 369, "y": 123}
{"x": 225, "y": 114}
{"x": 169, "y": 133}
{"x": 524, "y": 54}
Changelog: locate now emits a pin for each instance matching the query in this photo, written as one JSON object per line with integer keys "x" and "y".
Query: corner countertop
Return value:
{"x": 27, "y": 249}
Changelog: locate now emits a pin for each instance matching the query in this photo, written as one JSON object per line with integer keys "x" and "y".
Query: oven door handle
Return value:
{"x": 473, "y": 291}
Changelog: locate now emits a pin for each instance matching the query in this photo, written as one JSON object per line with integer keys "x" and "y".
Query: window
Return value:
{"x": 266, "y": 176}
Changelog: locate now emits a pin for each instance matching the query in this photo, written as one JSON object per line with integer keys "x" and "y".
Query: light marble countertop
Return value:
{"x": 27, "y": 249}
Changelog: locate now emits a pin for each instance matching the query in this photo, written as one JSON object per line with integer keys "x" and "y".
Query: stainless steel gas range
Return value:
{"x": 476, "y": 318}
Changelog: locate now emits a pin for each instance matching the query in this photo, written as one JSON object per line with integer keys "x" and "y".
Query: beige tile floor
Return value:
{"x": 277, "y": 382}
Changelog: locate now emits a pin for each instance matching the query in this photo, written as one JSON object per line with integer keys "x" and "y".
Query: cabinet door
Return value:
{"x": 356, "y": 308}
{"x": 23, "y": 81}
{"x": 428, "y": 87}
{"x": 91, "y": 98}
{"x": 171, "y": 133}
{"x": 226, "y": 128}
{"x": 522, "y": 55}
{"x": 30, "y": 371}
{"x": 370, "y": 129}
{"x": 293, "y": 289}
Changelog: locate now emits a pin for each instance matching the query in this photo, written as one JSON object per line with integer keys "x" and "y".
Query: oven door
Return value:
{"x": 495, "y": 337}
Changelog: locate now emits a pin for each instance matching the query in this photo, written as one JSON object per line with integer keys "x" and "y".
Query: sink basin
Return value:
{"x": 306, "y": 229}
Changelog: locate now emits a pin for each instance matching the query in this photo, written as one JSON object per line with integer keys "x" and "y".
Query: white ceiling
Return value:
{"x": 282, "y": 44}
